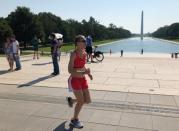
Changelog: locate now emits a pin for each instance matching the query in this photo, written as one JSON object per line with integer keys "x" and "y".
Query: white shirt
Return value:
{"x": 14, "y": 45}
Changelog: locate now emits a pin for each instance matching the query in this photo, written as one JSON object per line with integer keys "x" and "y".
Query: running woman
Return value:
{"x": 77, "y": 81}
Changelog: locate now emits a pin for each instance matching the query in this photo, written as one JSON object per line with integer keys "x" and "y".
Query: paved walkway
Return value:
{"x": 139, "y": 74}
{"x": 128, "y": 94}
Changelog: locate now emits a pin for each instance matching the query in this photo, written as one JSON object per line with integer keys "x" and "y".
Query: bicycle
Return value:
{"x": 98, "y": 55}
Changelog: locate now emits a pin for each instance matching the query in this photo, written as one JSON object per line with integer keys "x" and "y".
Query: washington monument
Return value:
{"x": 142, "y": 25}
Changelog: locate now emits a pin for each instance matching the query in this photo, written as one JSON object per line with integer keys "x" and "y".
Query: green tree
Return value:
{"x": 5, "y": 31}
{"x": 50, "y": 23}
{"x": 37, "y": 28}
{"x": 168, "y": 32}
{"x": 162, "y": 32}
{"x": 24, "y": 24}
{"x": 173, "y": 31}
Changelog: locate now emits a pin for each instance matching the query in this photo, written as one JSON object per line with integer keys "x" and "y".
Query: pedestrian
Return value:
{"x": 60, "y": 40}
{"x": 142, "y": 52}
{"x": 16, "y": 52}
{"x": 77, "y": 80}
{"x": 55, "y": 53}
{"x": 35, "y": 44}
{"x": 122, "y": 53}
{"x": 89, "y": 48}
{"x": 9, "y": 53}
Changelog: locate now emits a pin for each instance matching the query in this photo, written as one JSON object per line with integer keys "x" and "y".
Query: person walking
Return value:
{"x": 142, "y": 51}
{"x": 59, "y": 37}
{"x": 35, "y": 44}
{"x": 89, "y": 48}
{"x": 55, "y": 53}
{"x": 122, "y": 53}
{"x": 9, "y": 53}
{"x": 77, "y": 80}
{"x": 16, "y": 52}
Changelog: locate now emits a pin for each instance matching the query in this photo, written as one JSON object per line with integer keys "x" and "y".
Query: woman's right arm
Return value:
{"x": 71, "y": 63}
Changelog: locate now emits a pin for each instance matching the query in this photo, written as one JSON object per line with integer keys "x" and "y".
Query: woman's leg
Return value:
{"x": 87, "y": 97}
{"x": 34, "y": 55}
{"x": 80, "y": 101}
{"x": 37, "y": 54}
{"x": 11, "y": 64}
{"x": 8, "y": 59}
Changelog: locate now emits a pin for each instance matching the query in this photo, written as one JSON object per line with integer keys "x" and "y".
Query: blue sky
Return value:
{"x": 125, "y": 13}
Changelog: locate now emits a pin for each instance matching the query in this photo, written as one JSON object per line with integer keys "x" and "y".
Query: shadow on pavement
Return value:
{"x": 4, "y": 72}
{"x": 40, "y": 64}
{"x": 35, "y": 81}
{"x": 94, "y": 62}
{"x": 61, "y": 127}
{"x": 26, "y": 60}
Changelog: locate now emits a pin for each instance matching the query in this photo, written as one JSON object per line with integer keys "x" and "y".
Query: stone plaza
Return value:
{"x": 130, "y": 93}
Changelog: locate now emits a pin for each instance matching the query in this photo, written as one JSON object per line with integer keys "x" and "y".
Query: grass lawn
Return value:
{"x": 176, "y": 40}
{"x": 23, "y": 53}
{"x": 66, "y": 48}
{"x": 70, "y": 46}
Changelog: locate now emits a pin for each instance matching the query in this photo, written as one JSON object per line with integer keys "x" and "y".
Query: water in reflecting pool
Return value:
{"x": 148, "y": 45}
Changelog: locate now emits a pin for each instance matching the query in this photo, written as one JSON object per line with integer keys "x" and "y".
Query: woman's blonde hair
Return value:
{"x": 79, "y": 38}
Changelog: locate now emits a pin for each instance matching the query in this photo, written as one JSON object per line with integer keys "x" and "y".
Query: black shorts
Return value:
{"x": 89, "y": 49}
{"x": 36, "y": 48}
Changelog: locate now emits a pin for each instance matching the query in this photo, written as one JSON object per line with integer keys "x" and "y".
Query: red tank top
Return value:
{"x": 79, "y": 62}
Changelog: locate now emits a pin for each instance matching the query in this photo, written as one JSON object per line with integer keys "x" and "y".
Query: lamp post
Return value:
{"x": 142, "y": 25}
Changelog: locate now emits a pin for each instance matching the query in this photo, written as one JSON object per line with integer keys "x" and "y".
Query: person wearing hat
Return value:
{"x": 59, "y": 37}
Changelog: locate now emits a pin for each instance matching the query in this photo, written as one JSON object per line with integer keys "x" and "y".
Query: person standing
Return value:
{"x": 9, "y": 53}
{"x": 122, "y": 53}
{"x": 55, "y": 53}
{"x": 89, "y": 48}
{"x": 35, "y": 44}
{"x": 60, "y": 40}
{"x": 77, "y": 80}
{"x": 16, "y": 52}
{"x": 142, "y": 51}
